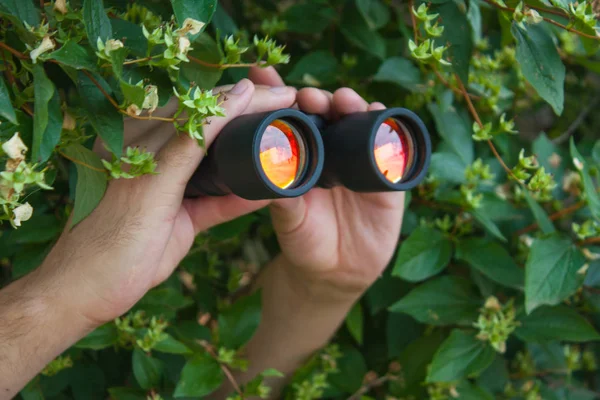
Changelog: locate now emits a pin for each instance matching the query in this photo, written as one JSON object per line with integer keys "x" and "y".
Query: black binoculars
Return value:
{"x": 285, "y": 153}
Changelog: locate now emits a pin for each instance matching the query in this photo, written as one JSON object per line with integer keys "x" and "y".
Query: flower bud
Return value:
{"x": 46, "y": 45}
{"x": 60, "y": 6}
{"x": 191, "y": 26}
{"x": 69, "y": 123}
{"x": 112, "y": 45}
{"x": 151, "y": 99}
{"x": 22, "y": 213}
{"x": 15, "y": 149}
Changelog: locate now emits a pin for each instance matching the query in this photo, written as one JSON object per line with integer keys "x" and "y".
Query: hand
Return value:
{"x": 336, "y": 240}
{"x": 143, "y": 227}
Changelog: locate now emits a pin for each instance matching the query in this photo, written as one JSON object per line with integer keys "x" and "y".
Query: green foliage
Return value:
{"x": 493, "y": 292}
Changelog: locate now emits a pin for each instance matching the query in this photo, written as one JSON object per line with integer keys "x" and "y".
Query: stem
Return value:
{"x": 221, "y": 66}
{"x": 210, "y": 350}
{"x": 553, "y": 217}
{"x": 594, "y": 240}
{"x": 81, "y": 162}
{"x": 411, "y": 5}
{"x": 16, "y": 53}
{"x": 136, "y": 61}
{"x": 366, "y": 388}
{"x": 95, "y": 82}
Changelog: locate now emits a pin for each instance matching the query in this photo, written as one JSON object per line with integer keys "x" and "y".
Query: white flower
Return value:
{"x": 15, "y": 149}
{"x": 183, "y": 45}
{"x": 69, "y": 122}
{"x": 190, "y": 26}
{"x": 22, "y": 213}
{"x": 133, "y": 110}
{"x": 578, "y": 164}
{"x": 46, "y": 45}
{"x": 533, "y": 17}
{"x": 151, "y": 99}
{"x": 112, "y": 45}
{"x": 60, "y": 6}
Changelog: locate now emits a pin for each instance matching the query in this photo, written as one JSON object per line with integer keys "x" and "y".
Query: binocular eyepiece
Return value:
{"x": 285, "y": 153}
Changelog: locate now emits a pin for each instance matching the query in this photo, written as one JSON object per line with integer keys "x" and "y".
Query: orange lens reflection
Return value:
{"x": 393, "y": 150}
{"x": 282, "y": 154}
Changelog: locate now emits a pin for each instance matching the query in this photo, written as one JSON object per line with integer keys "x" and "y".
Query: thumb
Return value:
{"x": 180, "y": 157}
{"x": 288, "y": 214}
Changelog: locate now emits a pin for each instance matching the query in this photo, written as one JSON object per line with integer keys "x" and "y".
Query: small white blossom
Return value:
{"x": 112, "y": 45}
{"x": 183, "y": 45}
{"x": 533, "y": 17}
{"x": 60, "y": 6}
{"x": 22, "y": 213}
{"x": 46, "y": 45}
{"x": 578, "y": 164}
{"x": 151, "y": 99}
{"x": 15, "y": 149}
{"x": 190, "y": 26}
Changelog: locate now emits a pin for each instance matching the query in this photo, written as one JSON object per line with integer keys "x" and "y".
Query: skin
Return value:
{"x": 335, "y": 243}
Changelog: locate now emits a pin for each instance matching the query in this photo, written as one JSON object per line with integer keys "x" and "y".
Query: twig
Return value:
{"x": 81, "y": 162}
{"x": 540, "y": 373}
{"x": 553, "y": 217}
{"x": 411, "y": 5}
{"x": 575, "y": 124}
{"x": 16, "y": 53}
{"x": 136, "y": 61}
{"x": 99, "y": 86}
{"x": 366, "y": 388}
{"x": 449, "y": 86}
{"x": 221, "y": 66}
{"x": 594, "y": 240}
{"x": 210, "y": 350}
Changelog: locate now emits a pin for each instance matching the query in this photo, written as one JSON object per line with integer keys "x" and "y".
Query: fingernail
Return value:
{"x": 279, "y": 89}
{"x": 240, "y": 87}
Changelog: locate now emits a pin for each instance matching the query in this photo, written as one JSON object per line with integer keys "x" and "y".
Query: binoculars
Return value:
{"x": 285, "y": 153}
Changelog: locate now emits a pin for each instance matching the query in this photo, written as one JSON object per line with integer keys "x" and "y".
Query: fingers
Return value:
{"x": 265, "y": 76}
{"x": 206, "y": 212}
{"x": 347, "y": 101}
{"x": 376, "y": 106}
{"x": 315, "y": 101}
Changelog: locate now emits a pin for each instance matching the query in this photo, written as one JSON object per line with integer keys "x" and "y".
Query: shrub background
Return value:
{"x": 494, "y": 291}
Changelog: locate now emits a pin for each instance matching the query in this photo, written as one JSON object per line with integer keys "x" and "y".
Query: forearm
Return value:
{"x": 35, "y": 327}
{"x": 298, "y": 318}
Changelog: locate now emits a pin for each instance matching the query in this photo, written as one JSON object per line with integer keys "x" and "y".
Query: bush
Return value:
{"x": 493, "y": 292}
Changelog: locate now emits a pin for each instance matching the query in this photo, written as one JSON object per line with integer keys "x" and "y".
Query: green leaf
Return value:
{"x": 539, "y": 214}
{"x": 125, "y": 393}
{"x": 172, "y": 346}
{"x": 51, "y": 136}
{"x": 43, "y": 92}
{"x": 133, "y": 94}
{"x": 488, "y": 224}
{"x": 147, "y": 370}
{"x": 458, "y": 35}
{"x": 91, "y": 183}
{"x": 105, "y": 119}
{"x": 74, "y": 56}
{"x": 592, "y": 197}
{"x": 460, "y": 356}
{"x": 441, "y": 301}
{"x": 448, "y": 166}
{"x": 97, "y": 24}
{"x": 467, "y": 391}
{"x": 356, "y": 30}
{"x": 492, "y": 260}
{"x": 200, "y": 10}
{"x": 200, "y": 376}
{"x": 206, "y": 49}
{"x": 400, "y": 71}
{"x": 319, "y": 15}
{"x": 352, "y": 367}
{"x": 6, "y": 108}
{"x": 558, "y": 323}
{"x": 456, "y": 129}
{"x": 541, "y": 64}
{"x": 424, "y": 253}
{"x": 551, "y": 271}
{"x": 272, "y": 372}
{"x": 238, "y": 323}
{"x": 374, "y": 12}
{"x": 317, "y": 68}
{"x": 354, "y": 322}
{"x": 136, "y": 42}
{"x": 100, "y": 338}
{"x": 23, "y": 10}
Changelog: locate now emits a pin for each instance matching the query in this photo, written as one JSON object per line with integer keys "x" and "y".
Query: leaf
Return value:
{"x": 319, "y": 15}
{"x": 541, "y": 64}
{"x": 238, "y": 323}
{"x": 592, "y": 197}
{"x": 460, "y": 356}
{"x": 317, "y": 68}
{"x": 468, "y": 391}
{"x": 488, "y": 224}
{"x": 147, "y": 370}
{"x": 172, "y": 346}
{"x": 456, "y": 129}
{"x": 441, "y": 301}
{"x": 206, "y": 49}
{"x": 223, "y": 23}
{"x": 97, "y": 24}
{"x": 74, "y": 56}
{"x": 91, "y": 183}
{"x": 356, "y": 31}
{"x": 492, "y": 260}
{"x": 43, "y": 92}
{"x": 132, "y": 93}
{"x": 539, "y": 214}
{"x": 458, "y": 35}
{"x": 136, "y": 42}
{"x": 125, "y": 393}
{"x": 424, "y": 253}
{"x": 551, "y": 271}
{"x": 352, "y": 367}
{"x": 6, "y": 108}
{"x": 23, "y": 10}
{"x": 200, "y": 376}
{"x": 105, "y": 119}
{"x": 100, "y": 338}
{"x": 558, "y": 323}
{"x": 448, "y": 166}
{"x": 354, "y": 322}
{"x": 401, "y": 330}
{"x": 51, "y": 136}
{"x": 400, "y": 71}
{"x": 200, "y": 10}
{"x": 374, "y": 12}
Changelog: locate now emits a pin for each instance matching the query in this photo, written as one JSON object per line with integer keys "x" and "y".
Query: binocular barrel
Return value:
{"x": 285, "y": 153}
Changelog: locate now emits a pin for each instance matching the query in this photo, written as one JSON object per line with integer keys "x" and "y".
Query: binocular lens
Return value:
{"x": 394, "y": 150}
{"x": 282, "y": 154}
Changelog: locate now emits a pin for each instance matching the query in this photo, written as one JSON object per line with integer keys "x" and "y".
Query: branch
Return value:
{"x": 211, "y": 350}
{"x": 367, "y": 387}
{"x": 594, "y": 240}
{"x": 553, "y": 217}
{"x": 575, "y": 124}
{"x": 411, "y": 5}
{"x": 16, "y": 53}
{"x": 81, "y": 162}
{"x": 221, "y": 66}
